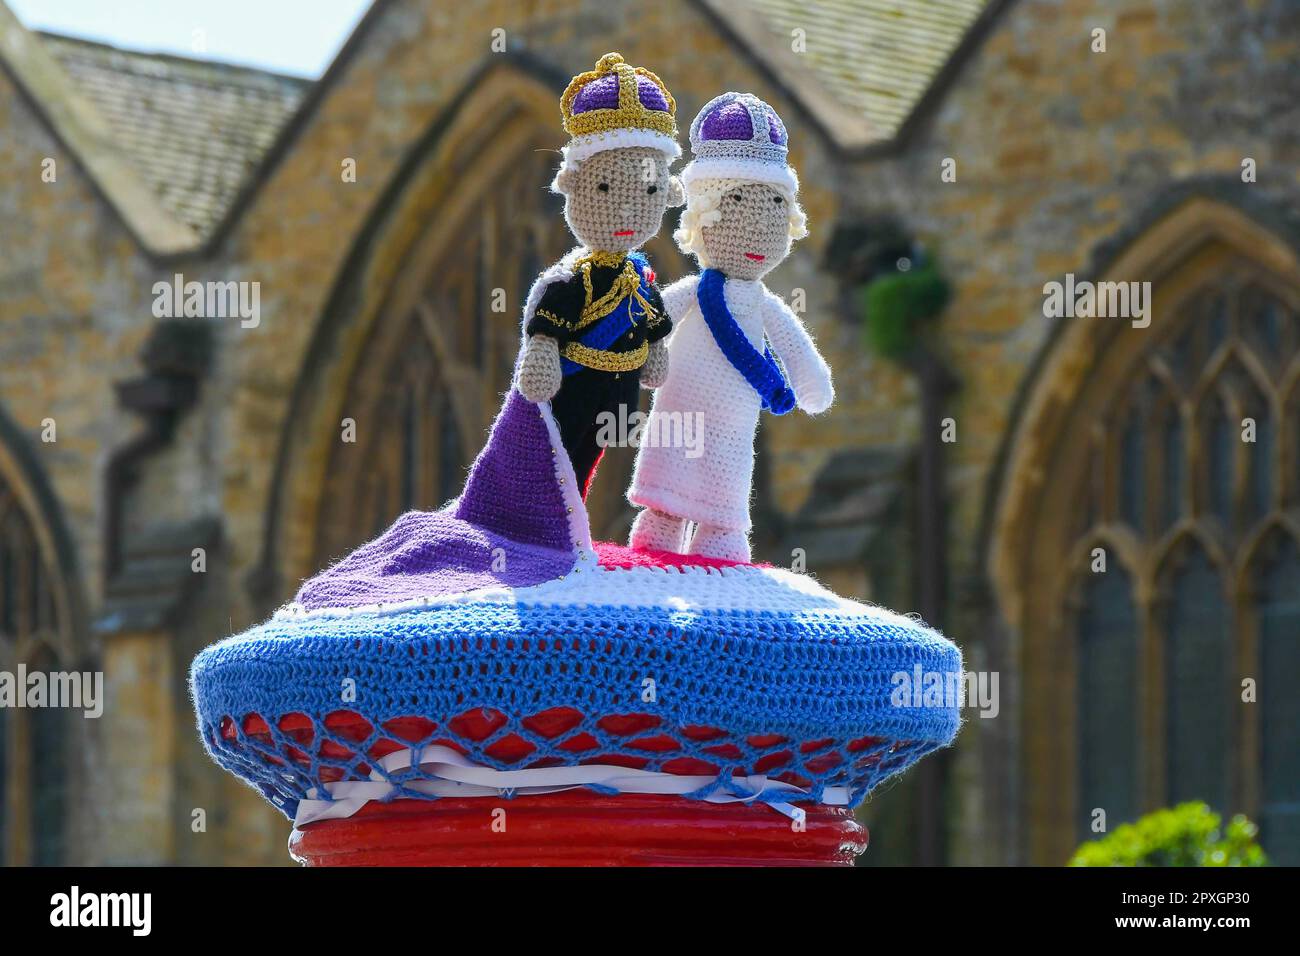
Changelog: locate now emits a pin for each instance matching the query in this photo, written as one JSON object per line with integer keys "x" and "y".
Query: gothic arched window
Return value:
{"x": 1195, "y": 445}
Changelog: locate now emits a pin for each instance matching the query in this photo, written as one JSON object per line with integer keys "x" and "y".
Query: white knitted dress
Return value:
{"x": 714, "y": 487}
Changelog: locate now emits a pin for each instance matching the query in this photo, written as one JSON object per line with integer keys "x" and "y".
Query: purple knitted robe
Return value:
{"x": 512, "y": 526}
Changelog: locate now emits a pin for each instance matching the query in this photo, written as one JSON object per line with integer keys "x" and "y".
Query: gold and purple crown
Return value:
{"x": 616, "y": 106}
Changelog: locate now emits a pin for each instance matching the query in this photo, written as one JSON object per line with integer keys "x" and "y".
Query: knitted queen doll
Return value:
{"x": 741, "y": 215}
{"x": 594, "y": 322}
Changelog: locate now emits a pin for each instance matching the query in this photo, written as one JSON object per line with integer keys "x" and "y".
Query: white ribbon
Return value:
{"x": 451, "y": 774}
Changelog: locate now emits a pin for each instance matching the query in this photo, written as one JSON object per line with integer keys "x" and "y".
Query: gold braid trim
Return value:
{"x": 552, "y": 317}
{"x": 610, "y": 260}
{"x": 606, "y": 361}
{"x": 628, "y": 283}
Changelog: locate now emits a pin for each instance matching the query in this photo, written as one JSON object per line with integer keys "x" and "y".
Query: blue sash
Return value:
{"x": 758, "y": 369}
{"x": 609, "y": 329}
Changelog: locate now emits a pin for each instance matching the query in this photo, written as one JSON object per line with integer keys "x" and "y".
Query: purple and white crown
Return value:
{"x": 738, "y": 136}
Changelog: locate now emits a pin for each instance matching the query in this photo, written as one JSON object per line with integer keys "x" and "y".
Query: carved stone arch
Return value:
{"x": 1166, "y": 553}
{"x": 1121, "y": 551}
{"x": 1254, "y": 548}
{"x": 1062, "y": 478}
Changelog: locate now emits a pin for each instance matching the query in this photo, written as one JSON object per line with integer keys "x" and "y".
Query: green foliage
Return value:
{"x": 897, "y": 305}
{"x": 1186, "y": 835}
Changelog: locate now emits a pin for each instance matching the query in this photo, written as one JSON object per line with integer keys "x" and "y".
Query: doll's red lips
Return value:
{"x": 625, "y": 232}
{"x": 755, "y": 256}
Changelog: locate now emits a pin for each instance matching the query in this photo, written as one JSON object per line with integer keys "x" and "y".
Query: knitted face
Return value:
{"x": 615, "y": 200}
{"x": 751, "y": 235}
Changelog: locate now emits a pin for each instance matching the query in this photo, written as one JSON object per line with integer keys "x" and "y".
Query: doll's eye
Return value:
{"x": 603, "y": 187}
{"x": 736, "y": 197}
{"x": 652, "y": 190}
{"x": 778, "y": 200}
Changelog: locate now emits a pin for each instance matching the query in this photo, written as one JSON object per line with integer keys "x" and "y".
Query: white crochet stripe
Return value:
{"x": 584, "y": 147}
{"x": 454, "y": 775}
{"x": 749, "y": 170}
{"x": 677, "y": 590}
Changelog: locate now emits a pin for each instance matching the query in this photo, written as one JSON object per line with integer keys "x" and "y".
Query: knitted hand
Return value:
{"x": 655, "y": 370}
{"x": 540, "y": 374}
{"x": 816, "y": 396}
{"x": 810, "y": 376}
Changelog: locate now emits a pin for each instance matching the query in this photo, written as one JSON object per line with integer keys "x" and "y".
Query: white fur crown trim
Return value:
{"x": 747, "y": 170}
{"x": 584, "y": 147}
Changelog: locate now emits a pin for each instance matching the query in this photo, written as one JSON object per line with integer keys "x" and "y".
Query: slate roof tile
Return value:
{"x": 195, "y": 130}
{"x": 877, "y": 57}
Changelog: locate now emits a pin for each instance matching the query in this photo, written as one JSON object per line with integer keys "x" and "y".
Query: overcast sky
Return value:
{"x": 287, "y": 36}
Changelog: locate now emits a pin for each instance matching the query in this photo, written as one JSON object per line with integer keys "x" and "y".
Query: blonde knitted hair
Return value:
{"x": 703, "y": 199}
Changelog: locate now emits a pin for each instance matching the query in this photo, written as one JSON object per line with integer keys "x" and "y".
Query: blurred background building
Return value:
{"x": 972, "y": 478}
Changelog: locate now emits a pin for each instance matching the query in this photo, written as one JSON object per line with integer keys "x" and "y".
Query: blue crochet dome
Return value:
{"x": 753, "y": 670}
{"x": 491, "y": 648}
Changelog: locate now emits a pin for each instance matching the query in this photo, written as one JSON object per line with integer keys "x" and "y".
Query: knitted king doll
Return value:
{"x": 594, "y": 322}
{"x": 741, "y": 214}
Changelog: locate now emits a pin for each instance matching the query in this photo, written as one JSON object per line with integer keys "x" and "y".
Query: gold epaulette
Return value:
{"x": 628, "y": 283}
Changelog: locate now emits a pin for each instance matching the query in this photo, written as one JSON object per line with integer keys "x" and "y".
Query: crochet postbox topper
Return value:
{"x": 484, "y": 684}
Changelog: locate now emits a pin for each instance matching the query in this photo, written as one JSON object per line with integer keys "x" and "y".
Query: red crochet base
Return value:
{"x": 578, "y": 828}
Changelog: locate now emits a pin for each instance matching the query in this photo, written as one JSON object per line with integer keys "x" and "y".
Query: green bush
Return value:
{"x": 898, "y": 304}
{"x": 1186, "y": 835}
